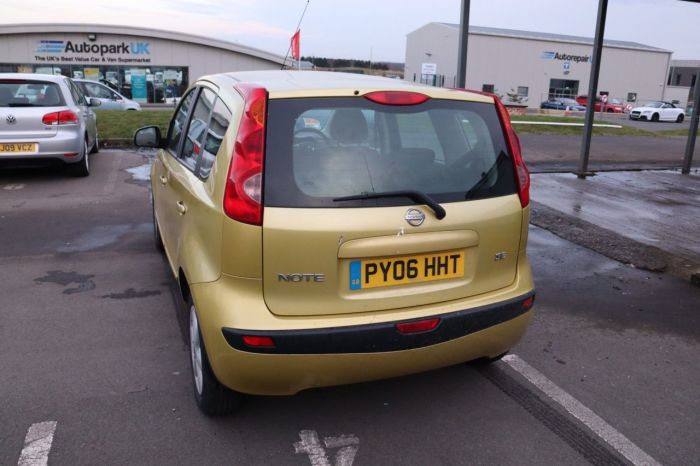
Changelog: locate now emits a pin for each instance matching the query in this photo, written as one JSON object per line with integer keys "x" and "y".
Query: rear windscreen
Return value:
{"x": 27, "y": 93}
{"x": 321, "y": 149}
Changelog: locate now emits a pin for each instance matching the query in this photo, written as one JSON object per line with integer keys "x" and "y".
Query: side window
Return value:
{"x": 95, "y": 90}
{"x": 77, "y": 95}
{"x": 192, "y": 145}
{"x": 177, "y": 124}
{"x": 218, "y": 124}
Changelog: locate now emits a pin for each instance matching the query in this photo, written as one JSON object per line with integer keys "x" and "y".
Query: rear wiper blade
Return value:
{"x": 416, "y": 196}
{"x": 485, "y": 176}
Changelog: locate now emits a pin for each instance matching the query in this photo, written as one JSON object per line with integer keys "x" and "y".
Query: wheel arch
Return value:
{"x": 183, "y": 285}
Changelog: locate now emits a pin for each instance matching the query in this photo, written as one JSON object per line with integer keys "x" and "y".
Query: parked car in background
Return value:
{"x": 327, "y": 228}
{"x": 658, "y": 111}
{"x": 613, "y": 105}
{"x": 111, "y": 99}
{"x": 46, "y": 118}
{"x": 562, "y": 103}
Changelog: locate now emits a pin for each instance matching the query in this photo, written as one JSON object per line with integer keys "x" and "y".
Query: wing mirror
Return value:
{"x": 149, "y": 136}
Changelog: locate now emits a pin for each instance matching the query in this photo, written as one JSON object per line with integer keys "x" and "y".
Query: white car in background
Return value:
{"x": 658, "y": 111}
{"x": 111, "y": 100}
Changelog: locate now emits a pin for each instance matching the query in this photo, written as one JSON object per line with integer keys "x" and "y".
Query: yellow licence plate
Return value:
{"x": 18, "y": 147}
{"x": 402, "y": 270}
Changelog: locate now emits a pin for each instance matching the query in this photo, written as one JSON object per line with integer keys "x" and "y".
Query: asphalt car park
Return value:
{"x": 93, "y": 339}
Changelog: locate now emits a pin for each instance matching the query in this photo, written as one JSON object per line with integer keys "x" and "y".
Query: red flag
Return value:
{"x": 295, "y": 45}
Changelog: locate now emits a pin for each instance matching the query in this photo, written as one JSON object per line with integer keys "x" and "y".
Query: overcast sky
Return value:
{"x": 356, "y": 28}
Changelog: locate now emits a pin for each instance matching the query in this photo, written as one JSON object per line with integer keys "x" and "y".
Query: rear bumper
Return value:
{"x": 65, "y": 141}
{"x": 376, "y": 338}
{"x": 320, "y": 351}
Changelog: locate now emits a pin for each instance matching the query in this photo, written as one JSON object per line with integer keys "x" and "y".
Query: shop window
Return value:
{"x": 488, "y": 88}
{"x": 523, "y": 91}
{"x": 631, "y": 97}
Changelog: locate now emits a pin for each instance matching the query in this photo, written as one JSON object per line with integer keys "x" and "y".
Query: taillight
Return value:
{"x": 522, "y": 175}
{"x": 396, "y": 97}
{"x": 243, "y": 194}
{"x": 65, "y": 117}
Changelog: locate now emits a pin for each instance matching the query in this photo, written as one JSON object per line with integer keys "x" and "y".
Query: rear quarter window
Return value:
{"x": 323, "y": 148}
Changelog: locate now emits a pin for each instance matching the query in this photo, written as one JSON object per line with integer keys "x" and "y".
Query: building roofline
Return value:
{"x": 48, "y": 28}
{"x": 551, "y": 37}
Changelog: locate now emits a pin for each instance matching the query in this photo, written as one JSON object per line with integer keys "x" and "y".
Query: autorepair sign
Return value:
{"x": 566, "y": 57}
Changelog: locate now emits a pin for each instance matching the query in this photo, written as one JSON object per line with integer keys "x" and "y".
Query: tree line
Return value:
{"x": 322, "y": 62}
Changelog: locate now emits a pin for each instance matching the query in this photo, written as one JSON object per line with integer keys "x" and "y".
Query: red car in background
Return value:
{"x": 612, "y": 105}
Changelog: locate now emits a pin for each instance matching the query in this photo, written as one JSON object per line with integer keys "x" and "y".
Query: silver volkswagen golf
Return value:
{"x": 46, "y": 118}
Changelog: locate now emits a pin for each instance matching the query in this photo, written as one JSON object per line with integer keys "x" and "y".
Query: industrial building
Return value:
{"x": 147, "y": 65}
{"x": 532, "y": 66}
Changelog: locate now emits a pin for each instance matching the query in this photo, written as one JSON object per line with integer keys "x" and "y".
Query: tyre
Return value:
{"x": 96, "y": 146}
{"x": 680, "y": 118}
{"x": 212, "y": 398}
{"x": 82, "y": 168}
{"x": 655, "y": 117}
{"x": 157, "y": 238}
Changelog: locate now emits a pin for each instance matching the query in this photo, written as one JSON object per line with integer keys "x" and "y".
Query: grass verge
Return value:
{"x": 116, "y": 124}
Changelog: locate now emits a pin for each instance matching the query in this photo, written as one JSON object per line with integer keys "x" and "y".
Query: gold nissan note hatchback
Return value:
{"x": 327, "y": 228}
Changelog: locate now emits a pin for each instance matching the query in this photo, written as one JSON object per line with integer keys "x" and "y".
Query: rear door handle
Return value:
{"x": 163, "y": 180}
{"x": 181, "y": 207}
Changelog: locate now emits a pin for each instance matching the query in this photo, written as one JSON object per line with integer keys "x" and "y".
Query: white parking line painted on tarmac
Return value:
{"x": 311, "y": 446}
{"x": 37, "y": 444}
{"x": 595, "y": 423}
{"x": 13, "y": 187}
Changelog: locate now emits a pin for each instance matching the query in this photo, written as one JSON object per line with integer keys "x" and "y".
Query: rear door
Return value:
{"x": 196, "y": 221}
{"x": 325, "y": 253}
{"x": 85, "y": 111}
{"x": 164, "y": 197}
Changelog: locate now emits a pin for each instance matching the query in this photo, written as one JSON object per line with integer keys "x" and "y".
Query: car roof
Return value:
{"x": 287, "y": 83}
{"x": 33, "y": 77}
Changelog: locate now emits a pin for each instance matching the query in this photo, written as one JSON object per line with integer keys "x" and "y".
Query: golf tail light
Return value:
{"x": 417, "y": 326}
{"x": 243, "y": 194}
{"x": 396, "y": 97}
{"x": 65, "y": 117}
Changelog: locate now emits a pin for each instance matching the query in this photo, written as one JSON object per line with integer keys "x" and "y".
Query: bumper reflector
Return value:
{"x": 417, "y": 326}
{"x": 258, "y": 342}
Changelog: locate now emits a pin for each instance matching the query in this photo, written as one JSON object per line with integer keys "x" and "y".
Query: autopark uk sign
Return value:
{"x": 67, "y": 51}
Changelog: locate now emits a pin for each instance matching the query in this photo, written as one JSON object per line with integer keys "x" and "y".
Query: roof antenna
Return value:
{"x": 284, "y": 63}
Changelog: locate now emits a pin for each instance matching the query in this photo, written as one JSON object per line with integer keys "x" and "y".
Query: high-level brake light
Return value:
{"x": 396, "y": 97}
